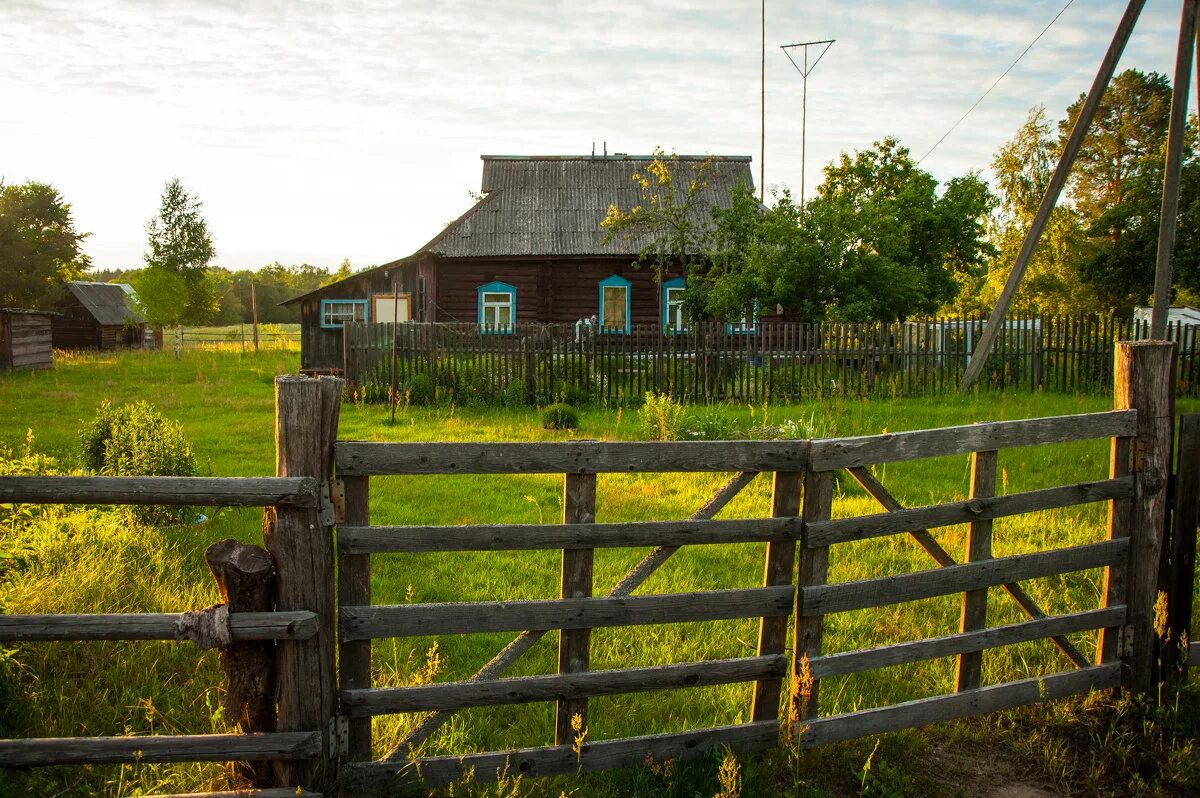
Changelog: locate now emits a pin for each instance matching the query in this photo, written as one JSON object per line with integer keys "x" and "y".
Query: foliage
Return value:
{"x": 420, "y": 389}
{"x": 560, "y": 416}
{"x": 39, "y": 246}
{"x": 666, "y": 218}
{"x": 175, "y": 286}
{"x": 135, "y": 440}
{"x": 661, "y": 418}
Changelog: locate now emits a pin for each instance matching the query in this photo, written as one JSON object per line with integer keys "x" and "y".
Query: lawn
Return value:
{"x": 81, "y": 560}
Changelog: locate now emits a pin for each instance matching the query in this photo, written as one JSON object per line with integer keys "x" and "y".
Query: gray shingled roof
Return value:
{"x": 109, "y": 303}
{"x": 553, "y": 205}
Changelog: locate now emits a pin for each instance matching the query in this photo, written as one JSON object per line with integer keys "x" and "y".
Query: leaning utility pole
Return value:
{"x": 805, "y": 71}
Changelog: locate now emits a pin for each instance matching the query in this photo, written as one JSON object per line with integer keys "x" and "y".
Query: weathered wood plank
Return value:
{"x": 201, "y": 491}
{"x": 1112, "y": 646}
{"x": 403, "y": 620}
{"x": 45, "y": 751}
{"x": 528, "y": 689}
{"x": 861, "y": 660}
{"x": 845, "y": 596}
{"x": 562, "y": 759}
{"x": 574, "y": 645}
{"x": 1194, "y": 654}
{"x": 298, "y": 625}
{"x": 354, "y": 587}
{"x": 357, "y": 458}
{"x": 893, "y": 447}
{"x": 925, "y": 711}
{"x": 269, "y": 792}
{"x": 979, "y": 547}
{"x": 778, "y": 570}
{"x": 1182, "y": 563}
{"x": 916, "y": 519}
{"x": 506, "y": 537}
{"x": 808, "y": 628}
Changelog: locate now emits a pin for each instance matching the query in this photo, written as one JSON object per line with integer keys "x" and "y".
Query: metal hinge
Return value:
{"x": 333, "y": 502}
{"x": 339, "y": 736}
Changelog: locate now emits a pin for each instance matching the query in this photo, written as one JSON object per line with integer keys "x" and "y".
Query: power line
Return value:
{"x": 997, "y": 81}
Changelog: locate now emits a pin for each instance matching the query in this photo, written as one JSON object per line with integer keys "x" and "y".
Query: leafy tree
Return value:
{"x": 176, "y": 287}
{"x": 39, "y": 246}
{"x": 343, "y": 271}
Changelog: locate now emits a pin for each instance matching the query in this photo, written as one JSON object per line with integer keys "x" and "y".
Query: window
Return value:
{"x": 336, "y": 312}
{"x": 497, "y": 307}
{"x": 673, "y": 319}
{"x": 614, "y": 304}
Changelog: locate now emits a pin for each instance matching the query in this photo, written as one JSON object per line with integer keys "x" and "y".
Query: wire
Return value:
{"x": 997, "y": 81}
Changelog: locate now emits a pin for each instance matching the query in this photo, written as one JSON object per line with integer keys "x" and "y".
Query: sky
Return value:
{"x": 316, "y": 131}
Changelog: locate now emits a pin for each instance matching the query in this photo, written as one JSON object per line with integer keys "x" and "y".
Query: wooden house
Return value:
{"x": 100, "y": 316}
{"x": 25, "y": 339}
{"x": 530, "y": 250}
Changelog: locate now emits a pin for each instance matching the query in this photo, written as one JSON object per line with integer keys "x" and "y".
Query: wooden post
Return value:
{"x": 579, "y": 507}
{"x": 814, "y": 570}
{"x": 306, "y": 415}
{"x": 780, "y": 565}
{"x": 254, "y": 312}
{"x": 1143, "y": 382}
{"x": 1184, "y": 520}
{"x": 527, "y": 345}
{"x": 245, "y": 575}
{"x": 979, "y": 547}
{"x": 354, "y": 589}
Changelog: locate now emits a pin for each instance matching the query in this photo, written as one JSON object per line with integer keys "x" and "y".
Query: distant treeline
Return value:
{"x": 272, "y": 285}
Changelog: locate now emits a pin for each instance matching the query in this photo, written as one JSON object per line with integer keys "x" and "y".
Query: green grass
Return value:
{"x": 84, "y": 560}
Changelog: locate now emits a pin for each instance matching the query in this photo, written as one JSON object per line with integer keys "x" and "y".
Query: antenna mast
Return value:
{"x": 805, "y": 71}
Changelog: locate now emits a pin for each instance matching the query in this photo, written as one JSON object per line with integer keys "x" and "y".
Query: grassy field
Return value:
{"x": 86, "y": 560}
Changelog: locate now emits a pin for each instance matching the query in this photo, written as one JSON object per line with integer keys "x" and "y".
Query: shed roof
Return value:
{"x": 109, "y": 303}
{"x": 553, "y": 204}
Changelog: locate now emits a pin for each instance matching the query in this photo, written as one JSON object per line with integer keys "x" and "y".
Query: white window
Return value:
{"x": 336, "y": 312}
{"x": 497, "y": 307}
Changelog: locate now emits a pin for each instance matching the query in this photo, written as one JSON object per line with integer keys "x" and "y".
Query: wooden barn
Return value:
{"x": 25, "y": 339}
{"x": 100, "y": 316}
{"x": 530, "y": 250}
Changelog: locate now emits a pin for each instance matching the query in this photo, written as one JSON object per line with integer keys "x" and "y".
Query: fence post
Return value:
{"x": 979, "y": 547}
{"x": 780, "y": 564}
{"x": 306, "y": 418}
{"x": 579, "y": 507}
{"x": 814, "y": 570}
{"x": 1182, "y": 561}
{"x": 1142, "y": 381}
{"x": 354, "y": 589}
{"x": 527, "y": 347}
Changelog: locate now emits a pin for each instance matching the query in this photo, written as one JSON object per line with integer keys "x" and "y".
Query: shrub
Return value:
{"x": 560, "y": 416}
{"x": 135, "y": 440}
{"x": 420, "y": 389}
{"x": 711, "y": 424}
{"x": 662, "y": 418}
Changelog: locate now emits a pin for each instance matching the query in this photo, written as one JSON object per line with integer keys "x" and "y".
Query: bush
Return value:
{"x": 560, "y": 416}
{"x": 420, "y": 390}
{"x": 662, "y": 418}
{"x": 135, "y": 440}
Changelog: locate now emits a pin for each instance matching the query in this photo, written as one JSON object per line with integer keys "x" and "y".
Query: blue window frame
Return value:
{"x": 615, "y": 304}
{"x": 497, "y": 307}
{"x": 748, "y": 324}
{"x": 673, "y": 319}
{"x": 336, "y": 312}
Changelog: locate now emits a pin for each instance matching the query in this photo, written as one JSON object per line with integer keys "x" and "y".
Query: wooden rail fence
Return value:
{"x": 319, "y": 523}
{"x": 775, "y": 361}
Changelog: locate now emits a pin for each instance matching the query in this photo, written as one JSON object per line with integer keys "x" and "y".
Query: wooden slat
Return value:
{"x": 916, "y": 519}
{"x": 1194, "y": 654}
{"x": 358, "y": 458}
{"x": 158, "y": 748}
{"x": 779, "y": 569}
{"x": 575, "y": 582}
{"x": 898, "y": 446}
{"x": 808, "y": 628}
{"x": 205, "y": 491}
{"x": 868, "y": 659}
{"x": 888, "y": 590}
{"x": 979, "y": 547}
{"x": 561, "y": 759}
{"x": 269, "y": 792}
{"x": 506, "y": 537}
{"x": 925, "y": 711}
{"x": 299, "y": 625}
{"x": 354, "y": 587}
{"x": 527, "y": 689}
{"x": 402, "y": 620}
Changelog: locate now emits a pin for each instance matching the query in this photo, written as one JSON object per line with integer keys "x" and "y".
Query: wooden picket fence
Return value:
{"x": 774, "y": 362}
{"x": 319, "y": 523}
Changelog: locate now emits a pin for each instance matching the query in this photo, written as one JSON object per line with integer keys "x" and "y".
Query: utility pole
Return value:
{"x": 254, "y": 312}
{"x": 762, "y": 121}
{"x": 805, "y": 71}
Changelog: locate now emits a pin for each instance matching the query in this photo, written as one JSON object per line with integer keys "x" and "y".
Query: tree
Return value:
{"x": 39, "y": 247}
{"x": 343, "y": 271}
{"x": 176, "y": 287}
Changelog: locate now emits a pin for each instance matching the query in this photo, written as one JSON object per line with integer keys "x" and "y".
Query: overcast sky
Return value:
{"x": 314, "y": 131}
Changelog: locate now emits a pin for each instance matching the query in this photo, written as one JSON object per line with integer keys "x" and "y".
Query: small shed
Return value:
{"x": 100, "y": 316}
{"x": 25, "y": 339}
